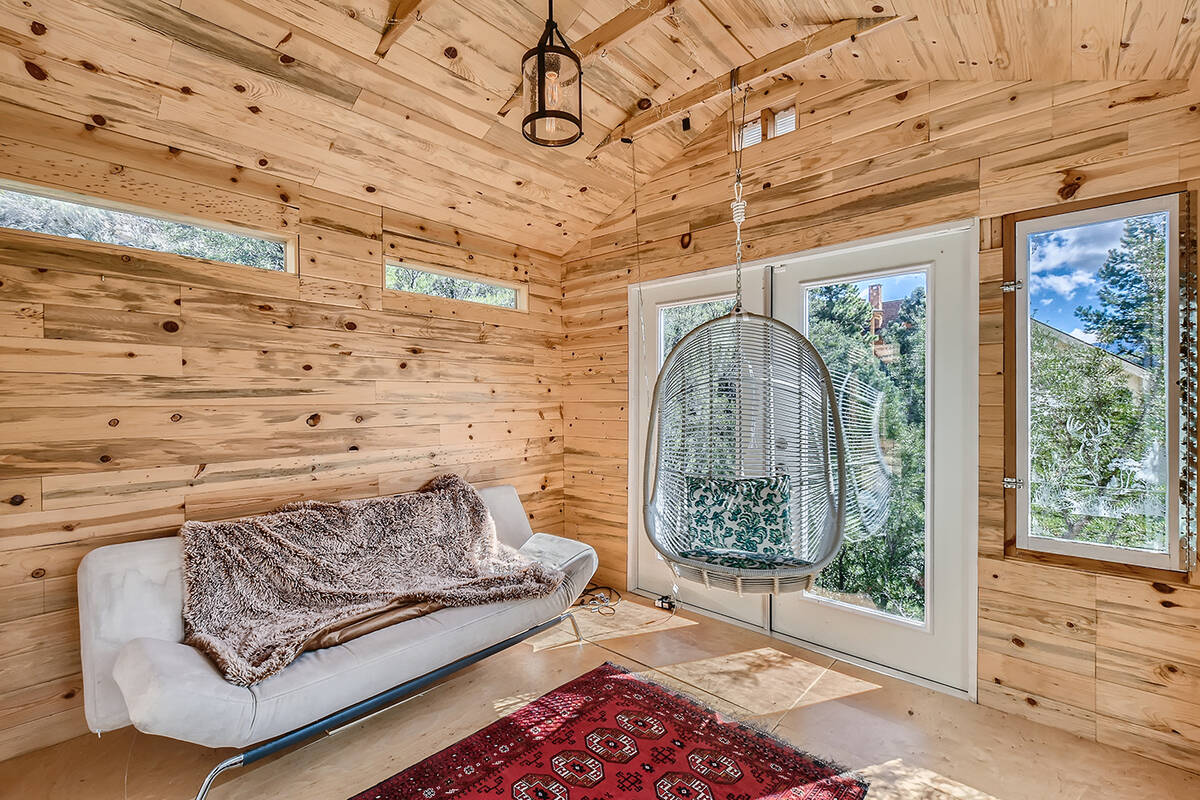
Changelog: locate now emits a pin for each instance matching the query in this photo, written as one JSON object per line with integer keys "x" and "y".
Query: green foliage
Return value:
{"x": 61, "y": 218}
{"x": 679, "y": 321}
{"x": 408, "y": 279}
{"x": 886, "y": 570}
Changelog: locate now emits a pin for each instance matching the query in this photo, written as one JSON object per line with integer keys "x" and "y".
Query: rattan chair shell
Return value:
{"x": 744, "y": 396}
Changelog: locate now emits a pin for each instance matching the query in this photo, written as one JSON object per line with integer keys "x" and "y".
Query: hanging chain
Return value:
{"x": 738, "y": 205}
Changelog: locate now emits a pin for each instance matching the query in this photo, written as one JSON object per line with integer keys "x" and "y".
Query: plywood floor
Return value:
{"x": 910, "y": 742}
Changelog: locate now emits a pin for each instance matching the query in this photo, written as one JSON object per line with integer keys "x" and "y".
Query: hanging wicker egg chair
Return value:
{"x": 745, "y": 477}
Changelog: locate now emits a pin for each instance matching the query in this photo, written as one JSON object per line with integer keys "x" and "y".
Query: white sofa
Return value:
{"x": 136, "y": 670}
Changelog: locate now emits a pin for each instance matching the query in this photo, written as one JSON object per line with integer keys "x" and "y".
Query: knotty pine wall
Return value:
{"x": 1109, "y": 657}
{"x": 138, "y": 390}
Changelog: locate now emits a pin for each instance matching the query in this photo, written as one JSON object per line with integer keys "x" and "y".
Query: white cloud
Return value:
{"x": 1063, "y": 285}
{"x": 1083, "y": 247}
{"x": 1084, "y": 336}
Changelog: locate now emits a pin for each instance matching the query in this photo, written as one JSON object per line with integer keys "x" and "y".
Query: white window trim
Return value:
{"x": 521, "y": 289}
{"x": 1172, "y": 558}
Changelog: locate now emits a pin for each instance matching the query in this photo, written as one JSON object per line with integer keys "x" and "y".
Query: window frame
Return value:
{"x": 521, "y": 289}
{"x": 289, "y": 241}
{"x": 1173, "y": 559}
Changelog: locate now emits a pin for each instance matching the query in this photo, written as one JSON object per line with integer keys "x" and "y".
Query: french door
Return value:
{"x": 664, "y": 312}
{"x": 896, "y": 323}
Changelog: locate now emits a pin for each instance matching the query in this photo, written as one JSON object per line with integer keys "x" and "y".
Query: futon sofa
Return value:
{"x": 136, "y": 670}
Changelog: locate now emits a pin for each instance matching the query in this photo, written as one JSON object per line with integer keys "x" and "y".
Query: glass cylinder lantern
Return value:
{"x": 553, "y": 87}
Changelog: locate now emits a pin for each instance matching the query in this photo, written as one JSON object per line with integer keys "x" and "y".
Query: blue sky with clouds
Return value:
{"x": 1063, "y": 267}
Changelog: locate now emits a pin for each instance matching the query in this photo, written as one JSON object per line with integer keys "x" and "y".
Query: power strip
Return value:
{"x": 666, "y": 603}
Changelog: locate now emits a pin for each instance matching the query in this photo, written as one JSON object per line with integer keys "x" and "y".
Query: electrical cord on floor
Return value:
{"x": 602, "y": 600}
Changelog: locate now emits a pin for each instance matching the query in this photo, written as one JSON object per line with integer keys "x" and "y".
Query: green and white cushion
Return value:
{"x": 746, "y": 515}
{"x": 739, "y": 559}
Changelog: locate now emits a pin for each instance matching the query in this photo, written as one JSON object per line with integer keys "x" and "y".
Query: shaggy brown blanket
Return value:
{"x": 257, "y": 591}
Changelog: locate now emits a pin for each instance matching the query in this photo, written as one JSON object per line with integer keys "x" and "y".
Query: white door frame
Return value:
{"x": 636, "y": 435}
{"x": 756, "y": 293}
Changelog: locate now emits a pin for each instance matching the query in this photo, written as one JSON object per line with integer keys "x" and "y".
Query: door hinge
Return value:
{"x": 1011, "y": 286}
{"x": 1013, "y": 483}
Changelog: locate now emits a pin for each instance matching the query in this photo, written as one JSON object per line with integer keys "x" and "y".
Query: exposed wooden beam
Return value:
{"x": 620, "y": 27}
{"x": 401, "y": 17}
{"x": 750, "y": 74}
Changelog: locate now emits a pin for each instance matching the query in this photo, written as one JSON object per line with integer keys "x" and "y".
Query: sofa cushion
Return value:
{"x": 170, "y": 689}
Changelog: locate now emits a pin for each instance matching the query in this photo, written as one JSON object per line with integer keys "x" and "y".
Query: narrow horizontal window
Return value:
{"x": 439, "y": 283}
{"x": 752, "y": 133}
{"x": 783, "y": 122}
{"x": 38, "y": 213}
{"x": 1099, "y": 410}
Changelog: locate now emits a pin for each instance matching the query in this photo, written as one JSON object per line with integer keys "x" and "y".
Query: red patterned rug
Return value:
{"x": 611, "y": 735}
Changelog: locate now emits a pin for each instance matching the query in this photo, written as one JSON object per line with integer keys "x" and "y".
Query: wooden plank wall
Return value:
{"x": 1108, "y": 657}
{"x": 138, "y": 389}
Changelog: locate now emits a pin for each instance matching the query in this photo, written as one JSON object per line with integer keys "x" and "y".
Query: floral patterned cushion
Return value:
{"x": 749, "y": 515}
{"x": 739, "y": 559}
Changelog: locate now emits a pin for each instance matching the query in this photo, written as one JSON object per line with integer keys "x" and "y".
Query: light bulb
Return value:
{"x": 552, "y": 90}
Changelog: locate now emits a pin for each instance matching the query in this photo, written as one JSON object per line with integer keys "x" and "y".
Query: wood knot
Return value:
{"x": 1171, "y": 668}
{"x": 1018, "y": 641}
{"x": 37, "y": 28}
{"x": 185, "y": 90}
{"x": 351, "y": 326}
{"x": 1072, "y": 182}
{"x": 644, "y": 103}
{"x": 1162, "y": 588}
{"x": 99, "y": 120}
{"x": 35, "y": 72}
{"x": 176, "y": 417}
{"x": 38, "y": 573}
{"x": 286, "y": 59}
{"x": 307, "y": 368}
{"x": 114, "y": 422}
{"x": 237, "y": 87}
{"x": 450, "y": 52}
{"x": 171, "y": 326}
{"x": 1031, "y": 701}
{"x": 369, "y": 189}
{"x": 16, "y": 500}
{"x": 685, "y": 241}
{"x": 105, "y": 459}
{"x": 262, "y": 162}
{"x": 254, "y": 109}
{"x": 313, "y": 420}
{"x": 1169, "y": 604}
{"x": 358, "y": 419}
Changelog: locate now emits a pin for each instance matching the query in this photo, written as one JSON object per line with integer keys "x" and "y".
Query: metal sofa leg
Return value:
{"x": 229, "y": 763}
{"x": 331, "y": 724}
{"x": 571, "y": 616}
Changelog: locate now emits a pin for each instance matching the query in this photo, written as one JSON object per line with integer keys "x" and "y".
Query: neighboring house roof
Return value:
{"x": 1134, "y": 369}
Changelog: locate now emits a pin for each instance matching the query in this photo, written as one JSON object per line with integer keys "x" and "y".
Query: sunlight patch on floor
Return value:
{"x": 895, "y": 780}
{"x": 765, "y": 680}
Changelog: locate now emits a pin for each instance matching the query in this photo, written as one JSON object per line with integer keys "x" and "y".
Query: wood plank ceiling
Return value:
{"x": 297, "y": 87}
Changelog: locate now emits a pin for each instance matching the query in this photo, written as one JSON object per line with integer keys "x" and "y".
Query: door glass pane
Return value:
{"x": 872, "y": 335}
{"x": 1098, "y": 459}
{"x": 675, "y": 322}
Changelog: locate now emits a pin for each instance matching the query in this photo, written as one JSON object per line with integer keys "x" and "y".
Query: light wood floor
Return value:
{"x": 910, "y": 742}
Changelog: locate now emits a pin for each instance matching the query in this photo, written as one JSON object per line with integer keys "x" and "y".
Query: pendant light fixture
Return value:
{"x": 553, "y": 82}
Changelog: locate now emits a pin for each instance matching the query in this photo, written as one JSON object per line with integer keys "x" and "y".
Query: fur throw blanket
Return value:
{"x": 257, "y": 590}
